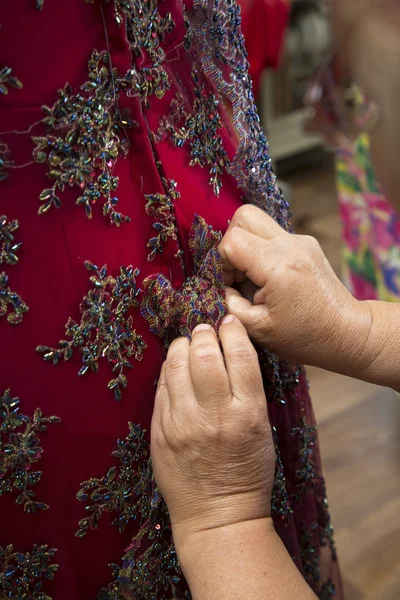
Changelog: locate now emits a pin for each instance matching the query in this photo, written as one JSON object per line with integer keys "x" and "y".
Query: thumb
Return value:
{"x": 253, "y": 318}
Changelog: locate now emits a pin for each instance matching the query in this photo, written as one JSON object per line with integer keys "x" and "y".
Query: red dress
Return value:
{"x": 101, "y": 184}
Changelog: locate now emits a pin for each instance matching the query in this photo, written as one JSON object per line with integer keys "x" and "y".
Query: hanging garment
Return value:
{"x": 120, "y": 168}
{"x": 371, "y": 228}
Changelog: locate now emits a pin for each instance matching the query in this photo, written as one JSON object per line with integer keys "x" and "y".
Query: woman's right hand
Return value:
{"x": 290, "y": 299}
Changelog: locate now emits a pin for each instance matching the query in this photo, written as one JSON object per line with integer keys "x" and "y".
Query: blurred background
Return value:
{"x": 317, "y": 124}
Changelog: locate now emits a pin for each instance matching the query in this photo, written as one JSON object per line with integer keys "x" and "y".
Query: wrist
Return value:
{"x": 209, "y": 545}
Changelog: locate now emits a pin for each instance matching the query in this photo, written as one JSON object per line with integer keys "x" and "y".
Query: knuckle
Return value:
{"x": 175, "y": 364}
{"x": 241, "y": 352}
{"x": 206, "y": 354}
{"x": 312, "y": 243}
{"x": 245, "y": 213}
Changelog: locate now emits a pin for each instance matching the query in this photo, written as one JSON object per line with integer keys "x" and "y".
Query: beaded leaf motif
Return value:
{"x": 199, "y": 129}
{"x": 161, "y": 207}
{"x": 150, "y": 568}
{"x": 19, "y": 450}
{"x": 8, "y": 246}
{"x": 7, "y": 80}
{"x": 201, "y": 299}
{"x": 307, "y": 439}
{"x": 21, "y": 575}
{"x": 106, "y": 327}
{"x": 86, "y": 135}
{"x": 11, "y": 303}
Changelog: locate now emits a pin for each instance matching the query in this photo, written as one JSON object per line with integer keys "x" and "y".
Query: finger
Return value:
{"x": 161, "y": 404}
{"x": 253, "y": 318}
{"x": 177, "y": 375}
{"x": 255, "y": 221}
{"x": 245, "y": 252}
{"x": 241, "y": 361}
{"x": 207, "y": 368}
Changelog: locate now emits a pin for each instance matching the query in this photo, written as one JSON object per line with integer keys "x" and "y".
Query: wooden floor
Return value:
{"x": 359, "y": 429}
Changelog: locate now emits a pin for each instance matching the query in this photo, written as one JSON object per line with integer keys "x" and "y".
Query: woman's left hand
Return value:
{"x": 211, "y": 443}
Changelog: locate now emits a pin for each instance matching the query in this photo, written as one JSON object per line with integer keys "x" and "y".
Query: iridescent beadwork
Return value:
{"x": 19, "y": 450}
{"x": 8, "y": 80}
{"x": 306, "y": 436}
{"x": 161, "y": 207}
{"x": 11, "y": 303}
{"x": 279, "y": 376}
{"x": 280, "y": 501}
{"x": 8, "y": 246}
{"x": 224, "y": 60}
{"x": 201, "y": 299}
{"x": 150, "y": 568}
{"x": 86, "y": 135}
{"x": 106, "y": 327}
{"x": 198, "y": 127}
{"x": 22, "y": 575}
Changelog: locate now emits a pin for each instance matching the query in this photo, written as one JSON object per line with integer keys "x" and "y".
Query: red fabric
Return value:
{"x": 45, "y": 50}
{"x": 264, "y": 24}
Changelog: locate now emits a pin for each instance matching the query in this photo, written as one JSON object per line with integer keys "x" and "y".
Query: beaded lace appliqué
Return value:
{"x": 150, "y": 568}
{"x": 22, "y": 575}
{"x": 19, "y": 450}
{"x": 201, "y": 299}
{"x": 106, "y": 327}
{"x": 86, "y": 135}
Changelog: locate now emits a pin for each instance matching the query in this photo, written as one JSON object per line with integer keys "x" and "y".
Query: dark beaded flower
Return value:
{"x": 21, "y": 575}
{"x": 86, "y": 135}
{"x": 306, "y": 436}
{"x": 201, "y": 299}
{"x": 19, "y": 450}
{"x": 106, "y": 327}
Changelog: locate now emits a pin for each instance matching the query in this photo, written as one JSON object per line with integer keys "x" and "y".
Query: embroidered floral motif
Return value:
{"x": 161, "y": 206}
{"x": 201, "y": 299}
{"x": 145, "y": 30}
{"x": 86, "y": 137}
{"x": 5, "y": 161}
{"x": 310, "y": 554}
{"x": 10, "y": 299}
{"x": 328, "y": 591}
{"x": 199, "y": 128}
{"x": 280, "y": 502}
{"x": 21, "y": 575}
{"x": 106, "y": 327}
{"x": 307, "y": 439}
{"x": 8, "y": 246}
{"x": 7, "y": 79}
{"x": 19, "y": 450}
{"x": 149, "y": 568}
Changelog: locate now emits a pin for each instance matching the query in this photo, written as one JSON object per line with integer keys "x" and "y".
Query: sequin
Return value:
{"x": 150, "y": 569}
{"x": 201, "y": 299}
{"x": 19, "y": 450}
{"x": 86, "y": 136}
{"x": 22, "y": 575}
{"x": 199, "y": 129}
{"x": 11, "y": 303}
{"x": 161, "y": 207}
{"x": 8, "y": 246}
{"x": 106, "y": 327}
{"x": 8, "y": 80}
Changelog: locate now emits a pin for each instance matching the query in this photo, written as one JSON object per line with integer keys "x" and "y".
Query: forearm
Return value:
{"x": 239, "y": 562}
{"x": 367, "y": 344}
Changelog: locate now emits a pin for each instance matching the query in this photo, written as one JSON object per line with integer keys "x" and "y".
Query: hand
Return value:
{"x": 211, "y": 443}
{"x": 291, "y": 300}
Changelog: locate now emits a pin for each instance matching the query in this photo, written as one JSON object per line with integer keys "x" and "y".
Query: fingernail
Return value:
{"x": 201, "y": 327}
{"x": 229, "y": 319}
